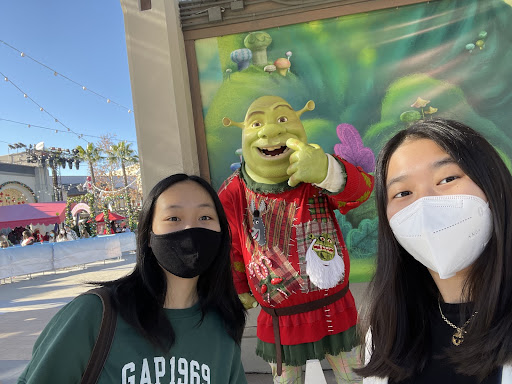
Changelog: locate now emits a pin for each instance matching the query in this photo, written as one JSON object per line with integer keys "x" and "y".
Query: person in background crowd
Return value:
{"x": 12, "y": 237}
{"x": 51, "y": 236}
{"x": 18, "y": 235}
{"x": 83, "y": 232}
{"x": 4, "y": 244}
{"x": 37, "y": 236}
{"x": 71, "y": 233}
{"x": 46, "y": 237}
{"x": 28, "y": 238}
{"x": 112, "y": 228}
{"x": 6, "y": 239}
{"x": 62, "y": 236}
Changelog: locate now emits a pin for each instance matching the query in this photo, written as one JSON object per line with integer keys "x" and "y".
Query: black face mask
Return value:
{"x": 186, "y": 253}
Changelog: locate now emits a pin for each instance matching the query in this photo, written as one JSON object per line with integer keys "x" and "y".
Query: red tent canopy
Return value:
{"x": 12, "y": 216}
{"x": 111, "y": 217}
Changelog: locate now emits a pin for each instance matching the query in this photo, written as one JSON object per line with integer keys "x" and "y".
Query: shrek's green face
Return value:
{"x": 269, "y": 122}
{"x": 324, "y": 246}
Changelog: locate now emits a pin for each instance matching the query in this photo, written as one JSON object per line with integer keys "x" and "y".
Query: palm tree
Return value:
{"x": 91, "y": 155}
{"x": 122, "y": 153}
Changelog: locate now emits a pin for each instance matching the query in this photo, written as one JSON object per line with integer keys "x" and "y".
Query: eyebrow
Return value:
{"x": 203, "y": 205}
{"x": 253, "y": 113}
{"x": 282, "y": 105}
{"x": 273, "y": 108}
{"x": 435, "y": 165}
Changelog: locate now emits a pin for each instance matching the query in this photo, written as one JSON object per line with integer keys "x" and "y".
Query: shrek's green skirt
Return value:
{"x": 298, "y": 354}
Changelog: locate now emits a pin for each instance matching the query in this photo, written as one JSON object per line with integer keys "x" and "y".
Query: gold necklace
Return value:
{"x": 458, "y": 335}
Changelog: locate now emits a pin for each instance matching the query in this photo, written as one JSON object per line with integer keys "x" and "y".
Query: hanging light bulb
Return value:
{"x": 29, "y": 125}
{"x": 6, "y": 79}
{"x": 22, "y": 54}
{"x": 25, "y": 95}
{"x": 69, "y": 130}
{"x": 55, "y": 73}
{"x": 56, "y": 131}
{"x": 41, "y": 109}
{"x": 56, "y": 120}
{"x": 84, "y": 88}
{"x": 129, "y": 111}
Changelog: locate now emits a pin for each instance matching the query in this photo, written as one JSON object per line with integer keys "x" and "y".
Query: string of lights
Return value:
{"x": 41, "y": 107}
{"x": 53, "y": 129}
{"x": 116, "y": 191}
{"x": 56, "y": 73}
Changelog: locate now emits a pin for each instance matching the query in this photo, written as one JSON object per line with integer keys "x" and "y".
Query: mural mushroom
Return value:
{"x": 420, "y": 103}
{"x": 410, "y": 117}
{"x": 288, "y": 55}
{"x": 282, "y": 65}
{"x": 242, "y": 57}
{"x": 470, "y": 47}
{"x": 270, "y": 68}
{"x": 258, "y": 42}
{"x": 430, "y": 111}
{"x": 480, "y": 44}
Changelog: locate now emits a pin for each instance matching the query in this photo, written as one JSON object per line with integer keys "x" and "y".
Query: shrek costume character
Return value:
{"x": 287, "y": 248}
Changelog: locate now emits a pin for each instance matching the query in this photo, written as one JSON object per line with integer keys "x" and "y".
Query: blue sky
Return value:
{"x": 82, "y": 40}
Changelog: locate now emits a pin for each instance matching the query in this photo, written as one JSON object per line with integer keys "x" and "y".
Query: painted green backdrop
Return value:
{"x": 376, "y": 71}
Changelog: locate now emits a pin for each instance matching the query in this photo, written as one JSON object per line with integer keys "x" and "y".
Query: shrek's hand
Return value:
{"x": 248, "y": 300}
{"x": 308, "y": 164}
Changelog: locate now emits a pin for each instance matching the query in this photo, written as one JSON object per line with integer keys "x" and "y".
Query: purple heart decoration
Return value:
{"x": 351, "y": 148}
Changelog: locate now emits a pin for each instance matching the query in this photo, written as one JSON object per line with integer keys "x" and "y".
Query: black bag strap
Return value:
{"x": 104, "y": 341}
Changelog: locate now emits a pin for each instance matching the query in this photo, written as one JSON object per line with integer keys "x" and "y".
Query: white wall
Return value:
{"x": 160, "y": 88}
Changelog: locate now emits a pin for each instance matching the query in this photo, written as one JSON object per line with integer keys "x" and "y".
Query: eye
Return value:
{"x": 448, "y": 179}
{"x": 256, "y": 124}
{"x": 329, "y": 241}
{"x": 205, "y": 217}
{"x": 173, "y": 218}
{"x": 402, "y": 194}
{"x": 322, "y": 238}
{"x": 282, "y": 119}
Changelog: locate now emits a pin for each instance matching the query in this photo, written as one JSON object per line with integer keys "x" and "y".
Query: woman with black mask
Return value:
{"x": 180, "y": 319}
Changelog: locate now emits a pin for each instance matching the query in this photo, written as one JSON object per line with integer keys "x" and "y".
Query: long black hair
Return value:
{"x": 139, "y": 296}
{"x": 402, "y": 292}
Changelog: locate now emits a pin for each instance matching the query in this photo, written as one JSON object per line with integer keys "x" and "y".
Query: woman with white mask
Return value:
{"x": 440, "y": 304}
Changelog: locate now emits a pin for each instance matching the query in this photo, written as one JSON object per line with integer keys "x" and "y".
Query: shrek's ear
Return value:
{"x": 228, "y": 122}
{"x": 310, "y": 105}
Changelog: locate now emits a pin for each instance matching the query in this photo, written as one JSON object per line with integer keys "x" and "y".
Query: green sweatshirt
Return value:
{"x": 203, "y": 353}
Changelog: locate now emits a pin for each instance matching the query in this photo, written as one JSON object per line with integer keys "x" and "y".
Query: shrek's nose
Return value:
{"x": 271, "y": 130}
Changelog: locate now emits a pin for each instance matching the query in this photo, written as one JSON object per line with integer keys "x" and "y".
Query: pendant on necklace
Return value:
{"x": 458, "y": 337}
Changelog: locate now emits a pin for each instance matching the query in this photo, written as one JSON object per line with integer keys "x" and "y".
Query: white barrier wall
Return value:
{"x": 25, "y": 260}
{"x": 127, "y": 240}
{"x": 16, "y": 261}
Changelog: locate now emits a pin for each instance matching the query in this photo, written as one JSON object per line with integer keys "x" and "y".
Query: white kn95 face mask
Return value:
{"x": 444, "y": 233}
